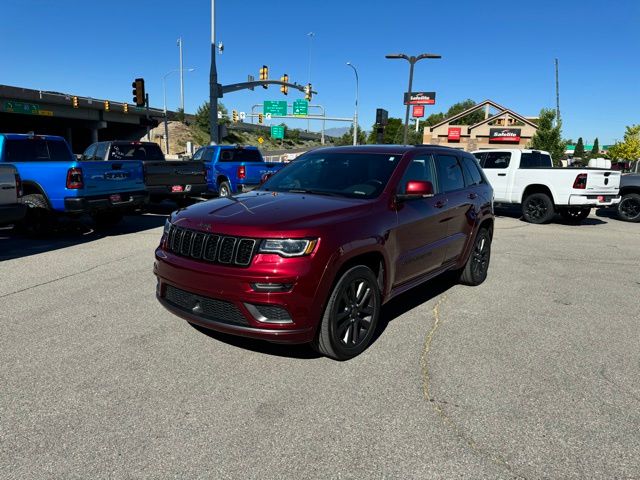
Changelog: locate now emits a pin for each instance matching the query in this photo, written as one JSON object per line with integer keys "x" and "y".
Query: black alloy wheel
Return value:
{"x": 477, "y": 266}
{"x": 351, "y": 315}
{"x": 629, "y": 208}
{"x": 538, "y": 208}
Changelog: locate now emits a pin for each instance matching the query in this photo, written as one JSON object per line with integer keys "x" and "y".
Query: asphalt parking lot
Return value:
{"x": 534, "y": 374}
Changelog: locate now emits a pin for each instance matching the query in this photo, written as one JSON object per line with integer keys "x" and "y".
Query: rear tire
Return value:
{"x": 574, "y": 215}
{"x": 106, "y": 219}
{"x": 538, "y": 208}
{"x": 629, "y": 208}
{"x": 39, "y": 218}
{"x": 477, "y": 266}
{"x": 224, "y": 189}
{"x": 351, "y": 316}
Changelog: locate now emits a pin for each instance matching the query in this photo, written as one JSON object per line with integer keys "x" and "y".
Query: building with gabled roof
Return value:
{"x": 500, "y": 127}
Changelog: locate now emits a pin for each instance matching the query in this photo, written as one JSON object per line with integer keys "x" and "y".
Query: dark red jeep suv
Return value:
{"x": 313, "y": 254}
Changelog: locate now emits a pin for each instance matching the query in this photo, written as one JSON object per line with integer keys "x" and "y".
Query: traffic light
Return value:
{"x": 138, "y": 92}
{"x": 234, "y": 116}
{"x": 107, "y": 106}
{"x": 74, "y": 102}
{"x": 264, "y": 75}
{"x": 125, "y": 107}
{"x": 307, "y": 92}
{"x": 260, "y": 118}
{"x": 283, "y": 88}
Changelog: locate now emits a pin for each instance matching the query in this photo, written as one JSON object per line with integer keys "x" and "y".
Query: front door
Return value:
{"x": 422, "y": 228}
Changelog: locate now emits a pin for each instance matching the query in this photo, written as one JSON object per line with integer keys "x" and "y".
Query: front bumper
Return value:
{"x": 129, "y": 201}
{"x": 594, "y": 200}
{"x": 230, "y": 297}
{"x": 12, "y": 213}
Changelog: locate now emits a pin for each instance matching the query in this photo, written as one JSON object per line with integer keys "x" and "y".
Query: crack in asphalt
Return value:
{"x": 438, "y": 404}
{"x": 65, "y": 276}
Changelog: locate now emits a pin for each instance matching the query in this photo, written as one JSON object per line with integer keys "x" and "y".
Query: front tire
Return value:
{"x": 629, "y": 208}
{"x": 477, "y": 266}
{"x": 224, "y": 189}
{"x": 574, "y": 215}
{"x": 351, "y": 316}
{"x": 538, "y": 208}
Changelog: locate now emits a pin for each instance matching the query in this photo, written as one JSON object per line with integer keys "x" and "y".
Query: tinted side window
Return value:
{"x": 198, "y": 154}
{"x": 101, "y": 151}
{"x": 31, "y": 150}
{"x": 59, "y": 151}
{"x": 449, "y": 173}
{"x": 535, "y": 160}
{"x": 471, "y": 171}
{"x": 496, "y": 160}
{"x": 420, "y": 168}
{"x": 207, "y": 155}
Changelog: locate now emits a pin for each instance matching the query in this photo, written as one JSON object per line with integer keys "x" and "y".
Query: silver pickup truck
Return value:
{"x": 12, "y": 209}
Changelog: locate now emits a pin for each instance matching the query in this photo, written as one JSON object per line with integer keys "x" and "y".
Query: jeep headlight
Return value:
{"x": 288, "y": 247}
{"x": 167, "y": 227}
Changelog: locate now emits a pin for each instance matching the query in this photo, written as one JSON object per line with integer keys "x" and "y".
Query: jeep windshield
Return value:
{"x": 354, "y": 175}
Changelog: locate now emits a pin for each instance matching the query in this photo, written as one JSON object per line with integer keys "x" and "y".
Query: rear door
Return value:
{"x": 496, "y": 167}
{"x": 422, "y": 225}
{"x": 457, "y": 203}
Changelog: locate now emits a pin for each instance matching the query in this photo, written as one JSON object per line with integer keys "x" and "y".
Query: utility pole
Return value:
{"x": 557, "y": 96}
{"x": 181, "y": 76}
{"x": 355, "y": 116}
{"x": 213, "y": 82}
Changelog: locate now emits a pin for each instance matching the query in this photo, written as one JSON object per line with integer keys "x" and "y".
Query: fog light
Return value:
{"x": 271, "y": 287}
{"x": 268, "y": 313}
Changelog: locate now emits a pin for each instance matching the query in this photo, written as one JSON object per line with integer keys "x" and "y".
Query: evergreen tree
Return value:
{"x": 596, "y": 147}
{"x": 548, "y": 137}
{"x": 579, "y": 151}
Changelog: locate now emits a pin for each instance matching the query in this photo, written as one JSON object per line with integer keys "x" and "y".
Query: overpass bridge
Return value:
{"x": 81, "y": 120}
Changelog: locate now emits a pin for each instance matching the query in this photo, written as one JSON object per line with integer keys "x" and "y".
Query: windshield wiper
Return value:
{"x": 314, "y": 192}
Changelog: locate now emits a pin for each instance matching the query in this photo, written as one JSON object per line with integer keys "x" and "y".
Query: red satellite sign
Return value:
{"x": 453, "y": 135}
{"x": 420, "y": 98}
{"x": 504, "y": 135}
{"x": 418, "y": 111}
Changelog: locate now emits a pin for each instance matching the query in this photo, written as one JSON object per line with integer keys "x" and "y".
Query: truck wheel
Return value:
{"x": 538, "y": 208}
{"x": 39, "y": 217}
{"x": 224, "y": 189}
{"x": 106, "y": 219}
{"x": 574, "y": 215}
{"x": 629, "y": 208}
{"x": 477, "y": 266}
{"x": 351, "y": 316}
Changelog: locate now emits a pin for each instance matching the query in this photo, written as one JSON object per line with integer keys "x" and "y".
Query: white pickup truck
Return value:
{"x": 528, "y": 178}
{"x": 12, "y": 209}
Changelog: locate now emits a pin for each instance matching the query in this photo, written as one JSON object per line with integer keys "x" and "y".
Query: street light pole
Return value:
{"x": 164, "y": 97}
{"x": 412, "y": 61}
{"x": 355, "y": 117}
{"x": 213, "y": 82}
{"x": 181, "y": 76}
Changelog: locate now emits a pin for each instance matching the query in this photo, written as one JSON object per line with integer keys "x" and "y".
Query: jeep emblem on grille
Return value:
{"x": 205, "y": 226}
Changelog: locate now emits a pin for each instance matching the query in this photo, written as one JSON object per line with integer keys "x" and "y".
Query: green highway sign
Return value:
{"x": 25, "y": 108}
{"x": 277, "y": 107}
{"x": 277, "y": 131}
{"x": 300, "y": 108}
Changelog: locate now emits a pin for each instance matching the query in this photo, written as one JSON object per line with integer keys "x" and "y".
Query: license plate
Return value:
{"x": 176, "y": 188}
{"x": 115, "y": 197}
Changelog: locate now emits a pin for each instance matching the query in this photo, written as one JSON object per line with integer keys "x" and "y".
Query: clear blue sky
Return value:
{"x": 498, "y": 50}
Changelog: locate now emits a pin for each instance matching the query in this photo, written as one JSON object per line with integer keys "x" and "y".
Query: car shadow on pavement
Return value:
{"x": 70, "y": 232}
{"x": 516, "y": 212}
{"x": 390, "y": 311}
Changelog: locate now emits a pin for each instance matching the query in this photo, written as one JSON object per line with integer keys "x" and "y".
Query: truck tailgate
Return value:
{"x": 174, "y": 173}
{"x": 603, "y": 181}
{"x": 255, "y": 171}
{"x": 112, "y": 177}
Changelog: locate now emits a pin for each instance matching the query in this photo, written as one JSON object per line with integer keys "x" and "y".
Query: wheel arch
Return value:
{"x": 630, "y": 189}
{"x": 537, "y": 188}
{"x": 29, "y": 187}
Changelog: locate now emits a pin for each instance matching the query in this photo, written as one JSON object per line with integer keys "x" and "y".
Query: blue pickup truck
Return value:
{"x": 55, "y": 182}
{"x": 234, "y": 169}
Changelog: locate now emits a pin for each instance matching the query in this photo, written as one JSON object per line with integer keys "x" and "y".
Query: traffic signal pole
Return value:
{"x": 213, "y": 81}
